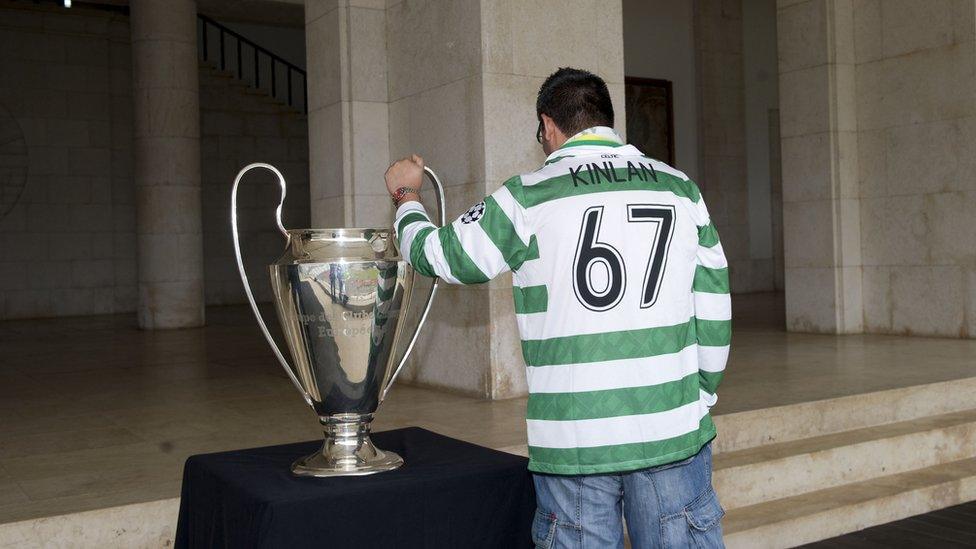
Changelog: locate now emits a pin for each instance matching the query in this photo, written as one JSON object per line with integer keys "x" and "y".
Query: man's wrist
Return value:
{"x": 404, "y": 194}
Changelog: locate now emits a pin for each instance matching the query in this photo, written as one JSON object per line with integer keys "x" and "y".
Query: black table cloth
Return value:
{"x": 448, "y": 493}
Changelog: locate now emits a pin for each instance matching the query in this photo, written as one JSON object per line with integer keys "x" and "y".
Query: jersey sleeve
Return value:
{"x": 490, "y": 238}
{"x": 713, "y": 306}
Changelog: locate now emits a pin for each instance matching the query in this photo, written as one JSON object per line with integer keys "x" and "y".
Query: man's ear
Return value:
{"x": 549, "y": 130}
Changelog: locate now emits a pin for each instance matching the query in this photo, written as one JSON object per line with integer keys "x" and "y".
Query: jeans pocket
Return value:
{"x": 704, "y": 517}
{"x": 543, "y": 529}
{"x": 705, "y": 512}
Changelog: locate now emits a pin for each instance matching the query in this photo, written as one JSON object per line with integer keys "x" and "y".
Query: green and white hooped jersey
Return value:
{"x": 621, "y": 293}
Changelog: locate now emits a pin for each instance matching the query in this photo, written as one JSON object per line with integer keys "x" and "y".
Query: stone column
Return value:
{"x": 821, "y": 208}
{"x": 167, "y": 163}
{"x": 463, "y": 78}
{"x": 522, "y": 44}
{"x": 348, "y": 130}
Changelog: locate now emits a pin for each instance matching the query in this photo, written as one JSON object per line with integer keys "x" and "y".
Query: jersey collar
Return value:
{"x": 584, "y": 142}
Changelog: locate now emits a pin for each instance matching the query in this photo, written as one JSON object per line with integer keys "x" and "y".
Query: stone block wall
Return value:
{"x": 67, "y": 208}
{"x": 722, "y": 139}
{"x": 67, "y": 244}
{"x": 239, "y": 126}
{"x": 878, "y": 105}
{"x": 916, "y": 145}
{"x": 436, "y": 109}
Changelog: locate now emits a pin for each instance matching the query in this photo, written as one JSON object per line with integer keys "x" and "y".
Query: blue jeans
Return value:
{"x": 671, "y": 505}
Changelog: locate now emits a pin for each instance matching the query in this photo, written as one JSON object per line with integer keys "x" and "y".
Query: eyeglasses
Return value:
{"x": 538, "y": 132}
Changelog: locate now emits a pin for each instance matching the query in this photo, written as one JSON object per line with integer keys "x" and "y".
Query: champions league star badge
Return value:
{"x": 474, "y": 213}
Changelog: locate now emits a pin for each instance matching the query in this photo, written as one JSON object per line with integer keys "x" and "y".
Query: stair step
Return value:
{"x": 740, "y": 430}
{"x": 763, "y": 473}
{"x": 822, "y": 514}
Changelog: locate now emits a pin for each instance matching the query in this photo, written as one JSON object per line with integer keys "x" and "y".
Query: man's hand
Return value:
{"x": 406, "y": 172}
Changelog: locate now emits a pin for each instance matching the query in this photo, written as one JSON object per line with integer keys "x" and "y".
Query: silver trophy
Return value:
{"x": 340, "y": 294}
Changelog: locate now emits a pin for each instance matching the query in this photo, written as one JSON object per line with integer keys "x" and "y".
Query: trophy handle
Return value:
{"x": 442, "y": 214}
{"x": 240, "y": 267}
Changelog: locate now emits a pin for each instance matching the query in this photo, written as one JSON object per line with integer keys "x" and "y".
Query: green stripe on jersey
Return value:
{"x": 457, "y": 259}
{"x": 501, "y": 231}
{"x": 714, "y": 333}
{"x": 599, "y": 142}
{"x": 533, "y": 251}
{"x": 709, "y": 380}
{"x": 627, "y": 401}
{"x": 417, "y": 256}
{"x": 597, "y": 178}
{"x": 578, "y": 349}
{"x": 711, "y": 281}
{"x": 531, "y": 299}
{"x": 707, "y": 235}
{"x": 411, "y": 217}
{"x": 620, "y": 457}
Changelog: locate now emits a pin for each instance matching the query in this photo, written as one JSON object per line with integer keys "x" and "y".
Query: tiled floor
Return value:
{"x": 94, "y": 412}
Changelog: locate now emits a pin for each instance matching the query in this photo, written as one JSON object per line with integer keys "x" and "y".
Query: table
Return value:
{"x": 449, "y": 493}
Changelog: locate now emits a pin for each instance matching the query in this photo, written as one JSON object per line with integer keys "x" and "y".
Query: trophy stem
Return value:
{"x": 347, "y": 450}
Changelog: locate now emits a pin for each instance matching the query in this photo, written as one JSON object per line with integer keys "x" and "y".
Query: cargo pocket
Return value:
{"x": 543, "y": 529}
{"x": 704, "y": 517}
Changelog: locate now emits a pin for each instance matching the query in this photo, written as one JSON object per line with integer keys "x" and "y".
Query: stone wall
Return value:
{"x": 238, "y": 126}
{"x": 722, "y": 139}
{"x": 437, "y": 110}
{"x": 878, "y": 107}
{"x": 915, "y": 66}
{"x": 67, "y": 243}
{"x": 522, "y": 45}
{"x": 67, "y": 215}
{"x": 463, "y": 78}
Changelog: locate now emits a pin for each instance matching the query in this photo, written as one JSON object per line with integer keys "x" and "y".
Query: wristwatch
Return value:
{"x": 399, "y": 194}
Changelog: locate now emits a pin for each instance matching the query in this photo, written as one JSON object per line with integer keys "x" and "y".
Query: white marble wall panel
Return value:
{"x": 445, "y": 125}
{"x": 915, "y": 106}
{"x": 810, "y": 298}
{"x": 822, "y": 213}
{"x": 802, "y": 36}
{"x": 876, "y": 288}
{"x": 431, "y": 44}
{"x": 928, "y": 300}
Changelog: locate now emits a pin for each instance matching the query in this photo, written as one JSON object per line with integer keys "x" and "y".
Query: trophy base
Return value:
{"x": 347, "y": 451}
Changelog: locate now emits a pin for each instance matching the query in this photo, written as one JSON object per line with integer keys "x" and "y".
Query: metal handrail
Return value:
{"x": 258, "y": 51}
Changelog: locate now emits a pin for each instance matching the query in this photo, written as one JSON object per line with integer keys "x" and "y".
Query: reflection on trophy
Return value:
{"x": 339, "y": 294}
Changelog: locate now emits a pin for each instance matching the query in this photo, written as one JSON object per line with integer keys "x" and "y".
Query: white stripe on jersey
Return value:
{"x": 482, "y": 251}
{"x": 712, "y": 359}
{"x": 713, "y": 306}
{"x": 708, "y": 399}
{"x": 435, "y": 254}
{"x": 508, "y": 205}
{"x": 585, "y": 433}
{"x": 713, "y": 258}
{"x": 613, "y": 374}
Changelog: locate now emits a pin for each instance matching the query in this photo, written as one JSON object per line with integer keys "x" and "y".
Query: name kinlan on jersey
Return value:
{"x": 595, "y": 174}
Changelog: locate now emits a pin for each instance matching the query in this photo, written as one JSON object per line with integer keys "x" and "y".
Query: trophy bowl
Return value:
{"x": 341, "y": 296}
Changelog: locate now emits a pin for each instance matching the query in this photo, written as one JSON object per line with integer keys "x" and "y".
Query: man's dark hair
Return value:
{"x": 575, "y": 100}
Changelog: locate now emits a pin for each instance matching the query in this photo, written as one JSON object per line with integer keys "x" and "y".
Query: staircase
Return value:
{"x": 259, "y": 69}
{"x": 796, "y": 474}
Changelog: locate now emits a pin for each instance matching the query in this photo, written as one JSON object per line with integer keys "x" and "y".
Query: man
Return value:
{"x": 622, "y": 300}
